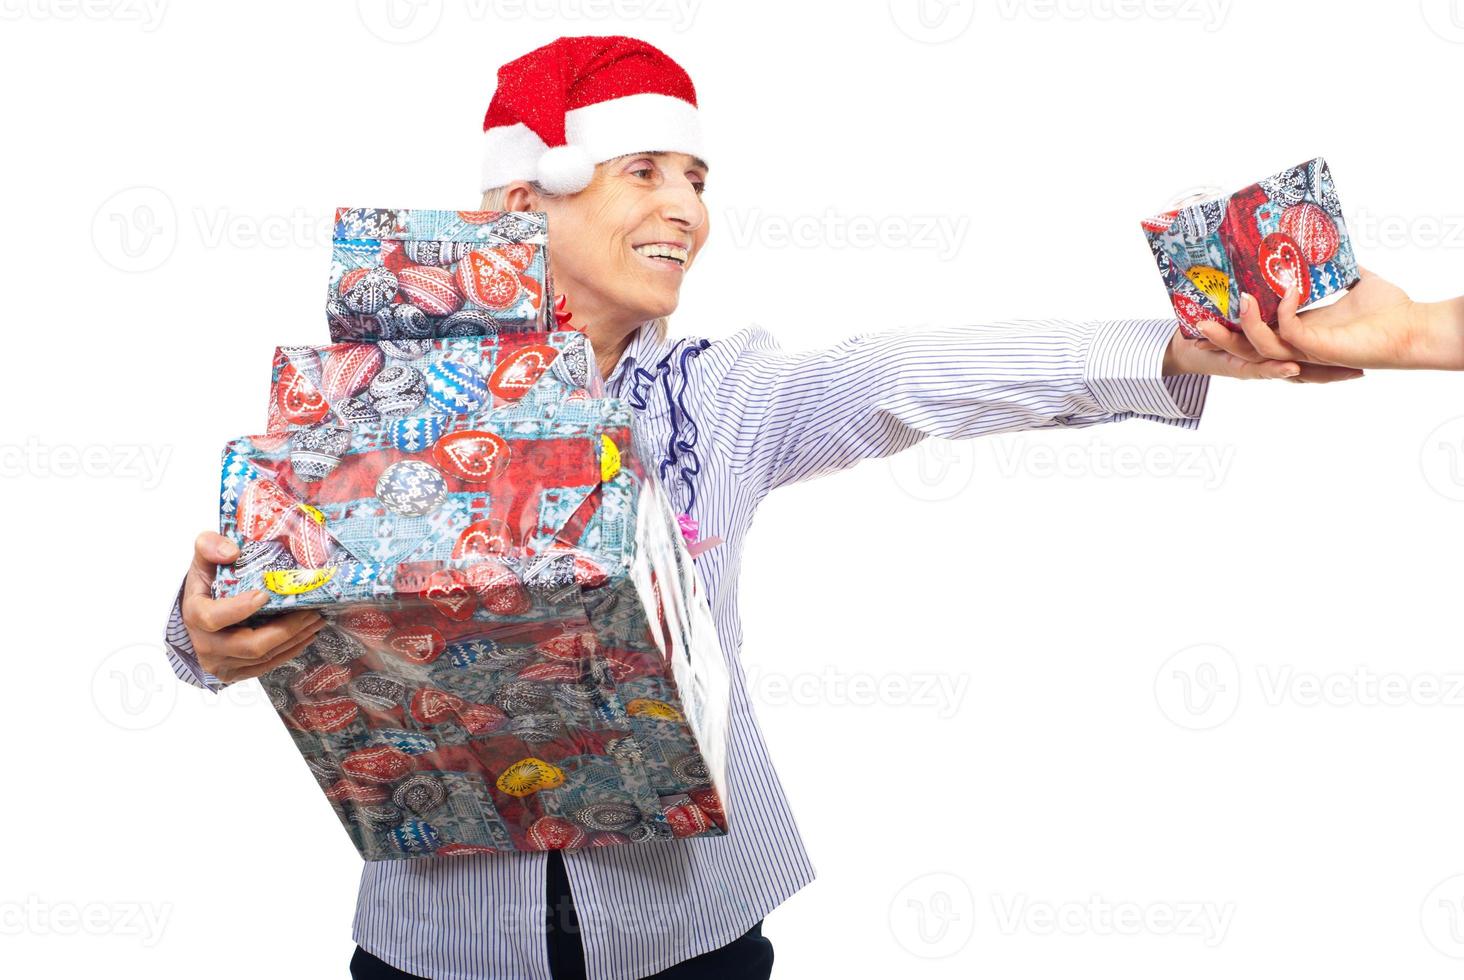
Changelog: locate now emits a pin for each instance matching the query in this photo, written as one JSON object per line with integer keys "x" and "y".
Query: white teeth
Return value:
{"x": 659, "y": 251}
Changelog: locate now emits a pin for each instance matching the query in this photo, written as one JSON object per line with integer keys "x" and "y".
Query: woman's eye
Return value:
{"x": 645, "y": 173}
{"x": 700, "y": 186}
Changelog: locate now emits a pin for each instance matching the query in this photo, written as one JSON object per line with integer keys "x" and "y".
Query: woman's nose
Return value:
{"x": 682, "y": 205}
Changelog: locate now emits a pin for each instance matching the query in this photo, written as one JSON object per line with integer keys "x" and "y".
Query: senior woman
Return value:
{"x": 602, "y": 134}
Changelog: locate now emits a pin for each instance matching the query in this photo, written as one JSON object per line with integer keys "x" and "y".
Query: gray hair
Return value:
{"x": 496, "y": 199}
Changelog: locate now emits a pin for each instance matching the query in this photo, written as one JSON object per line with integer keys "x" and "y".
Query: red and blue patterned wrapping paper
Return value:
{"x": 535, "y": 670}
{"x": 355, "y": 383}
{"x": 402, "y": 274}
{"x": 519, "y": 654}
{"x": 1282, "y": 230}
{"x": 376, "y": 508}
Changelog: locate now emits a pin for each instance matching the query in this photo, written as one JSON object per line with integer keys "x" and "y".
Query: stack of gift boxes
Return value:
{"x": 519, "y": 654}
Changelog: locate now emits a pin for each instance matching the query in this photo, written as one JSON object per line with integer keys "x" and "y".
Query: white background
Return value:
{"x": 1064, "y": 587}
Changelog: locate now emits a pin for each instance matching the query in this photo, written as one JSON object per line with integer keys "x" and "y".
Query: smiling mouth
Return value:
{"x": 660, "y": 252}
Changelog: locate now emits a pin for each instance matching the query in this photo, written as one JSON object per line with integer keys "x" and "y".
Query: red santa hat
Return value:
{"x": 578, "y": 101}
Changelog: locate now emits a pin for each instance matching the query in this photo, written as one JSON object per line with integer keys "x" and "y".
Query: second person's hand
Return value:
{"x": 1257, "y": 342}
{"x": 1376, "y": 324}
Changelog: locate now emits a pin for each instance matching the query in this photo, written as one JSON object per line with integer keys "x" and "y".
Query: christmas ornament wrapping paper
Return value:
{"x": 519, "y": 654}
{"x": 1285, "y": 229}
{"x": 410, "y": 274}
{"x": 356, "y": 383}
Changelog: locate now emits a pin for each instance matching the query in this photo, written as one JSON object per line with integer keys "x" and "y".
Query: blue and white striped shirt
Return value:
{"x": 726, "y": 421}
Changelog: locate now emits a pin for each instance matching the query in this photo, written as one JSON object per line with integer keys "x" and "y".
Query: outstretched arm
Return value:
{"x": 801, "y": 415}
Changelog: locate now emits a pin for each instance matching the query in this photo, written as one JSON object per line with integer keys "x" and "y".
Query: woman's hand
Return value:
{"x": 1255, "y": 352}
{"x": 228, "y": 651}
{"x": 1375, "y": 324}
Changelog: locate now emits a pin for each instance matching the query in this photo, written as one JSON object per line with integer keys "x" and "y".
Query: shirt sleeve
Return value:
{"x": 181, "y": 656}
{"x": 804, "y": 414}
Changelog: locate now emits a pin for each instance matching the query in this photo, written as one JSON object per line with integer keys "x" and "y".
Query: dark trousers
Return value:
{"x": 748, "y": 957}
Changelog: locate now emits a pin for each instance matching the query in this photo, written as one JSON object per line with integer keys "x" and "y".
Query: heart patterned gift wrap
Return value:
{"x": 519, "y": 653}
{"x": 419, "y": 379}
{"x": 401, "y": 274}
{"x": 1282, "y": 231}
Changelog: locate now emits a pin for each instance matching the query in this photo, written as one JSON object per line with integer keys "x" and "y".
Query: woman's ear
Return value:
{"x": 520, "y": 196}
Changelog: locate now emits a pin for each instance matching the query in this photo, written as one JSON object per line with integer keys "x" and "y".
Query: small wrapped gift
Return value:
{"x": 1281, "y": 231}
{"x": 355, "y": 383}
{"x": 407, "y": 274}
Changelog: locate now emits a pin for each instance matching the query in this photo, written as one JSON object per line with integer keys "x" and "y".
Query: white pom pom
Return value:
{"x": 565, "y": 169}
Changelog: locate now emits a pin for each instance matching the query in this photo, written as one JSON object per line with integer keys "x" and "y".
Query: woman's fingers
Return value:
{"x": 1262, "y": 337}
{"x": 1221, "y": 337}
{"x": 1238, "y": 367}
{"x": 1325, "y": 373}
{"x": 231, "y": 669}
{"x": 203, "y": 613}
{"x": 262, "y": 641}
{"x": 210, "y": 549}
{"x": 289, "y": 653}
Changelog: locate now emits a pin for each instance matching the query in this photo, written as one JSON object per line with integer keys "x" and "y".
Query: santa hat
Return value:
{"x": 578, "y": 101}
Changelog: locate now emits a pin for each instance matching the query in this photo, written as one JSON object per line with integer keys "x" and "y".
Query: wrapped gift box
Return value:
{"x": 405, "y": 274}
{"x": 356, "y": 383}
{"x": 328, "y": 515}
{"x": 1283, "y": 230}
{"x": 518, "y": 655}
{"x": 603, "y": 727}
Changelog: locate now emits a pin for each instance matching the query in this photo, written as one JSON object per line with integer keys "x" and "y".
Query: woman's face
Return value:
{"x": 622, "y": 246}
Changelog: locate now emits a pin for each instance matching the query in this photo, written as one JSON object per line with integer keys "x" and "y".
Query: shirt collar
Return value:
{"x": 643, "y": 347}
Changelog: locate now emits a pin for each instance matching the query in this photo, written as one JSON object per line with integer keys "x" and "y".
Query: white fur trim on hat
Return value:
{"x": 630, "y": 124}
{"x": 565, "y": 169}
